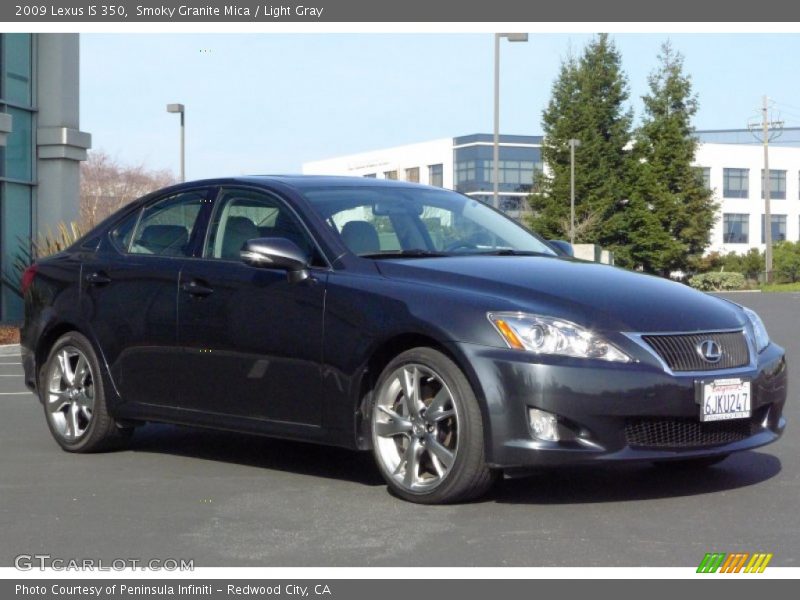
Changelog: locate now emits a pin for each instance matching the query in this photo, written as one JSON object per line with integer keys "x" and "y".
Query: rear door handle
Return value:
{"x": 197, "y": 289}
{"x": 98, "y": 278}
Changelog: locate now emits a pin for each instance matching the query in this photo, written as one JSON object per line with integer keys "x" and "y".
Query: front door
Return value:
{"x": 251, "y": 341}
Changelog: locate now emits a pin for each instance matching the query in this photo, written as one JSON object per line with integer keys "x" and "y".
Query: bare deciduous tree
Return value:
{"x": 107, "y": 185}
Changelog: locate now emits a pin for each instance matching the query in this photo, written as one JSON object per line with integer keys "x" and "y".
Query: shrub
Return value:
{"x": 786, "y": 261}
{"x": 718, "y": 282}
{"x": 30, "y": 249}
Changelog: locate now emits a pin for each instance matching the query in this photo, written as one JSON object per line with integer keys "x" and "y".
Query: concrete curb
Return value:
{"x": 9, "y": 350}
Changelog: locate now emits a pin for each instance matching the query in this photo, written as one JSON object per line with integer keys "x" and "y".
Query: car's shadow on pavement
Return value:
{"x": 618, "y": 483}
{"x": 564, "y": 485}
{"x": 257, "y": 451}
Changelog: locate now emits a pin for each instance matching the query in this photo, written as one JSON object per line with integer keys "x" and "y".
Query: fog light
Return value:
{"x": 544, "y": 425}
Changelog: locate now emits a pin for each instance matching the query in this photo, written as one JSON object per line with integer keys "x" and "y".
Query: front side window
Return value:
{"x": 242, "y": 215}
{"x": 168, "y": 227}
{"x": 381, "y": 220}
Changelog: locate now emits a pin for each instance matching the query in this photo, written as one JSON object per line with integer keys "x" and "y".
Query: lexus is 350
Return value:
{"x": 406, "y": 320}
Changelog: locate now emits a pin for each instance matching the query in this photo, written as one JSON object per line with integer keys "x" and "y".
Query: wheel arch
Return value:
{"x": 382, "y": 355}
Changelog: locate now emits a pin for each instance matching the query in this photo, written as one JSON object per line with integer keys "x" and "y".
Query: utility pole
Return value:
{"x": 766, "y": 125}
{"x": 573, "y": 143}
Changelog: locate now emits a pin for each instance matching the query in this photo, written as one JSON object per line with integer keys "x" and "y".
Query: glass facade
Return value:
{"x": 777, "y": 184}
{"x": 519, "y": 163}
{"x": 735, "y": 183}
{"x": 17, "y": 164}
{"x": 735, "y": 228}
{"x": 778, "y": 229}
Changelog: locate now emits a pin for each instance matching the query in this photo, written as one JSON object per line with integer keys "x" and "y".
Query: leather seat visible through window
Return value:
{"x": 361, "y": 237}
{"x": 238, "y": 230}
{"x": 168, "y": 240}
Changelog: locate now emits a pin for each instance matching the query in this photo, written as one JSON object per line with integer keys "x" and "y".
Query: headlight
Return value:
{"x": 546, "y": 335}
{"x": 759, "y": 331}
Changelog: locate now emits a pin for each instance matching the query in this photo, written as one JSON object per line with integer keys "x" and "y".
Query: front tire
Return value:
{"x": 427, "y": 430}
{"x": 72, "y": 393}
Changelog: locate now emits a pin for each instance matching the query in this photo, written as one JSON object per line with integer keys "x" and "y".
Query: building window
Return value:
{"x": 735, "y": 228}
{"x": 519, "y": 173}
{"x": 412, "y": 175}
{"x": 704, "y": 174}
{"x": 777, "y": 184}
{"x": 436, "y": 175}
{"x": 390, "y": 174}
{"x": 17, "y": 164}
{"x": 370, "y": 176}
{"x": 465, "y": 171}
{"x": 16, "y": 82}
{"x": 735, "y": 183}
{"x": 778, "y": 228}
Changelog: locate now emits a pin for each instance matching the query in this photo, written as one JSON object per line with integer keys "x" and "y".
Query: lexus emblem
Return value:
{"x": 710, "y": 351}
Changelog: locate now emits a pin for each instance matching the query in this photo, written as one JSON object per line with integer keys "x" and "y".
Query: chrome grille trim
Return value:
{"x": 679, "y": 351}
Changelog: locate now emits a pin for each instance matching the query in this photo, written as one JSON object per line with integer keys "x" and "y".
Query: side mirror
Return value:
{"x": 276, "y": 253}
{"x": 562, "y": 247}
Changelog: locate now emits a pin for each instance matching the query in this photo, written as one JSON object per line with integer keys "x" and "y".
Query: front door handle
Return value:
{"x": 98, "y": 278}
{"x": 196, "y": 288}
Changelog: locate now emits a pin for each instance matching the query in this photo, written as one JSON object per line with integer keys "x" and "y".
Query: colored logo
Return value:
{"x": 738, "y": 562}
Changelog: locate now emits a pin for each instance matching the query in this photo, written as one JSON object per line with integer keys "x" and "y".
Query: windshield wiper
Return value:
{"x": 412, "y": 253}
{"x": 510, "y": 252}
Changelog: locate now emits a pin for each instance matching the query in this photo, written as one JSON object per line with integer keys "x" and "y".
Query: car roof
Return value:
{"x": 301, "y": 182}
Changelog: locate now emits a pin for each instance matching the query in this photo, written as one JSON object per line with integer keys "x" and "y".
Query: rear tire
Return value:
{"x": 702, "y": 462}
{"x": 427, "y": 430}
{"x": 71, "y": 391}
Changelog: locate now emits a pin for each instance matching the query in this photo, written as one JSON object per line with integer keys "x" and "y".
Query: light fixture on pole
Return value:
{"x": 573, "y": 143}
{"x": 511, "y": 37}
{"x": 180, "y": 108}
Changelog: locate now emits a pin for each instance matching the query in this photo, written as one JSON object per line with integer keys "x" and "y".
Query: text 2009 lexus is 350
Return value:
{"x": 408, "y": 320}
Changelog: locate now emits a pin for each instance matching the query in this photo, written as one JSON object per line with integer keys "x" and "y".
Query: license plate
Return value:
{"x": 725, "y": 399}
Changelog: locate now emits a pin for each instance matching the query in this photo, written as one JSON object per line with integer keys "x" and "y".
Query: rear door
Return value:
{"x": 130, "y": 293}
{"x": 252, "y": 340}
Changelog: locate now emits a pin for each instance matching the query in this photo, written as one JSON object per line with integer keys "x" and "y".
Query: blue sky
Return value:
{"x": 265, "y": 103}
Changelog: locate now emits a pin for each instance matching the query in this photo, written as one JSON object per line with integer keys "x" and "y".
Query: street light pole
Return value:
{"x": 511, "y": 37}
{"x": 180, "y": 108}
{"x": 573, "y": 143}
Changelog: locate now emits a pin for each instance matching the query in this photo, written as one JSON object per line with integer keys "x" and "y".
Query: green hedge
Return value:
{"x": 717, "y": 282}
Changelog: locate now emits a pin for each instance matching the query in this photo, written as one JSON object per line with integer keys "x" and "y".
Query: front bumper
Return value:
{"x": 613, "y": 411}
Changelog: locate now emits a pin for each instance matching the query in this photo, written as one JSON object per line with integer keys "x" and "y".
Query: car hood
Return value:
{"x": 594, "y": 295}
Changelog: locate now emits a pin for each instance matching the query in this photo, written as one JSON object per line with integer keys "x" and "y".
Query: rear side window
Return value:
{"x": 166, "y": 228}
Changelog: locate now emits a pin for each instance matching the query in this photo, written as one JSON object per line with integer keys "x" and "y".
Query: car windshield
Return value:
{"x": 380, "y": 222}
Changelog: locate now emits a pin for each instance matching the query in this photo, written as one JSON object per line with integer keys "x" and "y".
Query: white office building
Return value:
{"x": 731, "y": 162}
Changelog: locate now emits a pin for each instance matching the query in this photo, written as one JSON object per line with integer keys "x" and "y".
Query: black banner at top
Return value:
{"x": 450, "y": 11}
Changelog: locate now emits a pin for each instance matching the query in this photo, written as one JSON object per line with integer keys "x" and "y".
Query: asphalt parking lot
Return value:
{"x": 233, "y": 500}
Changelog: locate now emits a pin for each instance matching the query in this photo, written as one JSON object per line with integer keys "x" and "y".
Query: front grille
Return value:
{"x": 685, "y": 433}
{"x": 681, "y": 354}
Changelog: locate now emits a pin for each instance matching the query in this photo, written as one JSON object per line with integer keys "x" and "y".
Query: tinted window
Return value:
{"x": 166, "y": 228}
{"x": 242, "y": 215}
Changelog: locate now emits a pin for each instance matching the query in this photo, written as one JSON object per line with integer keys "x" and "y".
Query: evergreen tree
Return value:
{"x": 662, "y": 176}
{"x": 587, "y": 103}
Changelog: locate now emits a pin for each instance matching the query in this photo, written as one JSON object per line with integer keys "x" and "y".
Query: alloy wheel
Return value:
{"x": 70, "y": 399}
{"x": 416, "y": 428}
